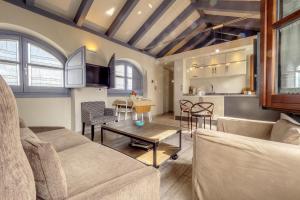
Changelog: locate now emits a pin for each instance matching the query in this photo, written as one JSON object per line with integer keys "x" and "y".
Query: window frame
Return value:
{"x": 24, "y": 90}
{"x": 18, "y": 38}
{"x": 270, "y": 23}
{"x": 126, "y": 92}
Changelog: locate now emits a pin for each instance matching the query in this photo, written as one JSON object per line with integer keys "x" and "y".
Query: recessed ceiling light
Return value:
{"x": 139, "y": 12}
{"x": 110, "y": 11}
{"x": 217, "y": 50}
{"x": 150, "y": 5}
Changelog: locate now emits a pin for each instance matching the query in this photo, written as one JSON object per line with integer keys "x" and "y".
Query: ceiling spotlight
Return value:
{"x": 110, "y": 11}
{"x": 150, "y": 5}
{"x": 217, "y": 50}
{"x": 139, "y": 12}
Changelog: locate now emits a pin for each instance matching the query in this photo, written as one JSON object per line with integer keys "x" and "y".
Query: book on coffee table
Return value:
{"x": 141, "y": 144}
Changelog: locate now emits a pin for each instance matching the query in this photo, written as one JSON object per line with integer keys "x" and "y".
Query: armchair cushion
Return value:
{"x": 62, "y": 139}
{"x": 104, "y": 119}
{"x": 50, "y": 179}
{"x": 109, "y": 112}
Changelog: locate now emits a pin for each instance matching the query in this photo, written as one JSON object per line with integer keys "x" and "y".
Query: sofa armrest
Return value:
{"x": 109, "y": 112}
{"x": 245, "y": 127}
{"x": 86, "y": 116}
{"x": 227, "y": 166}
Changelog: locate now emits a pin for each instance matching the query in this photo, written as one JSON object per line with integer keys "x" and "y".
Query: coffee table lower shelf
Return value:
{"x": 164, "y": 152}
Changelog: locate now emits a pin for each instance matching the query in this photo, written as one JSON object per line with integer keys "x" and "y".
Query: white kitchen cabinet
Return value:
{"x": 203, "y": 72}
{"x": 195, "y": 62}
{"x": 206, "y": 60}
{"x": 237, "y": 68}
{"x": 194, "y": 73}
{"x": 216, "y": 59}
{"x": 236, "y": 56}
{"x": 220, "y": 71}
{"x": 233, "y": 69}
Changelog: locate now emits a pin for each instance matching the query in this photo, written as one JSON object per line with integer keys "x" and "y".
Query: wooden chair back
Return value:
{"x": 185, "y": 105}
{"x": 203, "y": 108}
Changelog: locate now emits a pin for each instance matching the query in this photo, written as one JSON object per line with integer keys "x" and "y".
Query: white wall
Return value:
{"x": 66, "y": 111}
{"x": 180, "y": 82}
{"x": 45, "y": 111}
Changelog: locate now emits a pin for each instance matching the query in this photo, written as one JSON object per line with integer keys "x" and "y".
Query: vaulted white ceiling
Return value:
{"x": 157, "y": 26}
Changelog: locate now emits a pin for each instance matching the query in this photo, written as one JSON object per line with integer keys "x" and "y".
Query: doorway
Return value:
{"x": 168, "y": 97}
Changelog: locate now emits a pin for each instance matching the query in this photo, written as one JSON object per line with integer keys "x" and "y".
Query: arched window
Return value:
{"x": 127, "y": 78}
{"x": 30, "y": 66}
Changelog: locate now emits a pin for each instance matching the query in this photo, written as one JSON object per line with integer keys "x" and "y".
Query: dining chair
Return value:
{"x": 201, "y": 110}
{"x": 185, "y": 107}
{"x": 124, "y": 107}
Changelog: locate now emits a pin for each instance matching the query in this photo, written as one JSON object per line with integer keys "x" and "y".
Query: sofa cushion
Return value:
{"x": 16, "y": 178}
{"x": 89, "y": 165}
{"x": 49, "y": 176}
{"x": 140, "y": 184}
{"x": 62, "y": 139}
{"x": 285, "y": 131}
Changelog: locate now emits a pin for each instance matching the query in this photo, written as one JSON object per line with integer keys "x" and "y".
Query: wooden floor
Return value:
{"x": 176, "y": 175}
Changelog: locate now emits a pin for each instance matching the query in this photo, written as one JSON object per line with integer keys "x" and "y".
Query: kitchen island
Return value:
{"x": 233, "y": 105}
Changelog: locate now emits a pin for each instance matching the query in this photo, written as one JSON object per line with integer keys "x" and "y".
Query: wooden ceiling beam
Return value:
{"x": 82, "y": 11}
{"x": 171, "y": 27}
{"x": 121, "y": 17}
{"x": 28, "y": 2}
{"x": 194, "y": 42}
{"x": 208, "y": 41}
{"x": 246, "y": 6}
{"x": 163, "y": 7}
{"x": 177, "y": 42}
{"x": 67, "y": 22}
{"x": 239, "y": 32}
{"x": 224, "y": 37}
{"x": 251, "y": 15}
{"x": 248, "y": 24}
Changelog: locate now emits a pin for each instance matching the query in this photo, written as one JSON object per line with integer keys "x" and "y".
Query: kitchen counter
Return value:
{"x": 233, "y": 105}
{"x": 220, "y": 94}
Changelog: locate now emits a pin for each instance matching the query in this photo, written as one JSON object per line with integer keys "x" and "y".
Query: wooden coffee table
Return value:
{"x": 151, "y": 133}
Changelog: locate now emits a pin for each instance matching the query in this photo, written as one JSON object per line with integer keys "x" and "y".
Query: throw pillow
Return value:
{"x": 285, "y": 131}
{"x": 49, "y": 176}
{"x": 289, "y": 119}
{"x": 22, "y": 123}
{"x": 292, "y": 136}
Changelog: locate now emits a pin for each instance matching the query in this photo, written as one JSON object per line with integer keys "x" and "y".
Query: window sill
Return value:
{"x": 41, "y": 95}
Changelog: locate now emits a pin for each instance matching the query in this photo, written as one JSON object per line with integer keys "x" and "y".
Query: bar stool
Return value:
{"x": 185, "y": 107}
{"x": 202, "y": 110}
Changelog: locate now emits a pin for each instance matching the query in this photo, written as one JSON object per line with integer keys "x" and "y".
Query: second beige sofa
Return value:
{"x": 247, "y": 160}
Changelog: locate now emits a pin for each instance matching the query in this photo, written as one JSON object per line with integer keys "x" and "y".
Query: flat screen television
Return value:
{"x": 97, "y": 76}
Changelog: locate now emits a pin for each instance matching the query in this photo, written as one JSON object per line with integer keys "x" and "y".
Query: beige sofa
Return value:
{"x": 60, "y": 164}
{"x": 247, "y": 160}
